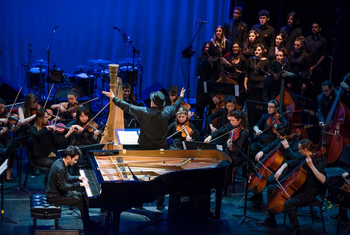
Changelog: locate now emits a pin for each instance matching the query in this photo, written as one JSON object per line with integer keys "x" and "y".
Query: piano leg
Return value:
{"x": 116, "y": 221}
{"x": 218, "y": 198}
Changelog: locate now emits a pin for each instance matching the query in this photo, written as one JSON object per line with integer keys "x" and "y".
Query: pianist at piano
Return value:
{"x": 63, "y": 189}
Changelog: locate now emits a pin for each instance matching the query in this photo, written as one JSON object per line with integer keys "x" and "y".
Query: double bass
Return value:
{"x": 287, "y": 103}
{"x": 336, "y": 129}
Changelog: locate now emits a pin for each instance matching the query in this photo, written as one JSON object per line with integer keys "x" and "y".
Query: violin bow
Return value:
{"x": 87, "y": 124}
{"x": 182, "y": 127}
{"x": 48, "y": 96}
{"x": 14, "y": 102}
{"x": 223, "y": 134}
{"x": 82, "y": 103}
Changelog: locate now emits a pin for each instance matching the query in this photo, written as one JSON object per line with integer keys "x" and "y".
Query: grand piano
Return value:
{"x": 120, "y": 180}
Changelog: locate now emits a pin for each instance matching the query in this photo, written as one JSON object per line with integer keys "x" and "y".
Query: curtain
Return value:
{"x": 161, "y": 29}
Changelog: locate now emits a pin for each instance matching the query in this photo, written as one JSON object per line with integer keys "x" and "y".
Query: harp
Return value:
{"x": 115, "y": 118}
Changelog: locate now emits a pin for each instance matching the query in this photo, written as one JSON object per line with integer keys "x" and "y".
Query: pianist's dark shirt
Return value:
{"x": 60, "y": 182}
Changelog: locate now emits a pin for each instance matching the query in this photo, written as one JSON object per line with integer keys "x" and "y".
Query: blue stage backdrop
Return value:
{"x": 162, "y": 28}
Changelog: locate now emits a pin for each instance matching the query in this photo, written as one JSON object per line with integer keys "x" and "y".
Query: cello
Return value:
{"x": 336, "y": 129}
{"x": 268, "y": 165}
{"x": 290, "y": 184}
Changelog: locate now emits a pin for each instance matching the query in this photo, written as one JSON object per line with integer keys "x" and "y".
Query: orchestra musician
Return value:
{"x": 63, "y": 189}
{"x": 27, "y": 112}
{"x": 6, "y": 140}
{"x": 83, "y": 134}
{"x": 71, "y": 105}
{"x": 326, "y": 98}
{"x": 343, "y": 213}
{"x": 313, "y": 186}
{"x": 44, "y": 139}
{"x": 237, "y": 136}
{"x": 153, "y": 121}
{"x": 129, "y": 97}
{"x": 288, "y": 148}
{"x": 267, "y": 127}
{"x": 184, "y": 129}
{"x": 223, "y": 116}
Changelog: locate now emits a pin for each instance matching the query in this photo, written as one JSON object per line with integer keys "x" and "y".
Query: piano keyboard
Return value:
{"x": 94, "y": 188}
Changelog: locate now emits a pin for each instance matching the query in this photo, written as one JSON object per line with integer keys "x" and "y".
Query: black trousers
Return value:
{"x": 74, "y": 199}
{"x": 301, "y": 199}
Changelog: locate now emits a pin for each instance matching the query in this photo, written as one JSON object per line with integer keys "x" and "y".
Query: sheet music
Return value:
{"x": 128, "y": 137}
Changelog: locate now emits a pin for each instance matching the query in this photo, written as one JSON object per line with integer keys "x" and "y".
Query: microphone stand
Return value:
{"x": 188, "y": 53}
{"x": 134, "y": 53}
{"x": 48, "y": 78}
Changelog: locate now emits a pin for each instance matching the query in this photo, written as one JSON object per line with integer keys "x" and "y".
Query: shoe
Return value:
{"x": 268, "y": 222}
{"x": 161, "y": 207}
{"x": 297, "y": 231}
{"x": 256, "y": 198}
{"x": 9, "y": 180}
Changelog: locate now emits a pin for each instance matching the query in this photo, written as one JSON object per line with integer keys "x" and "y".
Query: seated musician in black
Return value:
{"x": 222, "y": 116}
{"x": 315, "y": 184}
{"x": 269, "y": 125}
{"x": 326, "y": 99}
{"x": 237, "y": 136}
{"x": 343, "y": 213}
{"x": 67, "y": 110}
{"x": 179, "y": 135}
{"x": 288, "y": 148}
{"x": 63, "y": 189}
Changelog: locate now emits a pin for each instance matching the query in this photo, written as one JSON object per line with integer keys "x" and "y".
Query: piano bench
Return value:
{"x": 40, "y": 209}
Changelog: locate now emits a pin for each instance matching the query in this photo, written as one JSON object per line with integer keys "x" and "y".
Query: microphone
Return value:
{"x": 31, "y": 50}
{"x": 202, "y": 21}
{"x": 116, "y": 28}
{"x": 56, "y": 26}
{"x": 54, "y": 29}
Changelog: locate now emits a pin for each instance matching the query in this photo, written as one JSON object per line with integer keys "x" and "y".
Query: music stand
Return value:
{"x": 303, "y": 102}
{"x": 198, "y": 145}
{"x": 3, "y": 167}
{"x": 128, "y": 138}
{"x": 14, "y": 145}
{"x": 255, "y": 110}
{"x": 250, "y": 168}
{"x": 344, "y": 159}
{"x": 221, "y": 88}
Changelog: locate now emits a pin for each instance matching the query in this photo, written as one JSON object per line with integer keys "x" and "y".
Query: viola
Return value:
{"x": 268, "y": 165}
{"x": 273, "y": 122}
{"x": 290, "y": 184}
{"x": 234, "y": 136}
{"x": 185, "y": 129}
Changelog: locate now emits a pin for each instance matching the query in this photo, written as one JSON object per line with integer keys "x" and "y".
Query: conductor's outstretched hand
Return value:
{"x": 109, "y": 94}
{"x": 182, "y": 93}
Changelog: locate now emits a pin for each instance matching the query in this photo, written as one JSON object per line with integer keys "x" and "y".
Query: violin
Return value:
{"x": 60, "y": 127}
{"x": 291, "y": 183}
{"x": 186, "y": 105}
{"x": 74, "y": 108}
{"x": 234, "y": 136}
{"x": 91, "y": 127}
{"x": 185, "y": 129}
